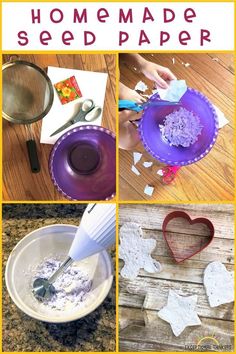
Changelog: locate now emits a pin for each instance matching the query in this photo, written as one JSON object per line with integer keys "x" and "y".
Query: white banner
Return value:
{"x": 118, "y": 26}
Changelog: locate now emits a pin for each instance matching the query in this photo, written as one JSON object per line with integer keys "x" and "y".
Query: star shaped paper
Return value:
{"x": 136, "y": 252}
{"x": 180, "y": 312}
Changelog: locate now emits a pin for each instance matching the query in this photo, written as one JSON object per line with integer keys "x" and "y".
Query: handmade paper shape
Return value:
{"x": 136, "y": 251}
{"x": 219, "y": 284}
{"x": 180, "y": 312}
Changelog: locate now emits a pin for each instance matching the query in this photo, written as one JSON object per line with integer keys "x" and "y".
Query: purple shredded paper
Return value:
{"x": 71, "y": 288}
{"x": 181, "y": 128}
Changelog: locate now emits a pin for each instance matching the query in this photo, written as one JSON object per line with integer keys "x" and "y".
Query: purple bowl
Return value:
{"x": 160, "y": 149}
{"x": 82, "y": 163}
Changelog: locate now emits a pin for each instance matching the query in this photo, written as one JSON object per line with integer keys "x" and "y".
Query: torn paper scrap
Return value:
{"x": 147, "y": 164}
{"x": 160, "y": 173}
{"x": 186, "y": 65}
{"x": 141, "y": 86}
{"x": 221, "y": 117}
{"x": 174, "y": 92}
{"x": 136, "y": 251}
{"x": 135, "y": 170}
{"x": 180, "y": 312}
{"x": 148, "y": 190}
{"x": 137, "y": 156}
{"x": 161, "y": 92}
{"x": 173, "y": 60}
{"x": 219, "y": 284}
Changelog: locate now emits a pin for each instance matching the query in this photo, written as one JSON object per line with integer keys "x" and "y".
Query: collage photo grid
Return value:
{"x": 118, "y": 201}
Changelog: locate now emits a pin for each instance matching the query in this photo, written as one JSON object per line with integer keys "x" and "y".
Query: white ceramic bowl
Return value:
{"x": 48, "y": 242}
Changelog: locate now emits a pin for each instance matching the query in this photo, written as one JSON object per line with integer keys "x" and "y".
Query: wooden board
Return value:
{"x": 212, "y": 178}
{"x": 18, "y": 181}
{"x": 139, "y": 300}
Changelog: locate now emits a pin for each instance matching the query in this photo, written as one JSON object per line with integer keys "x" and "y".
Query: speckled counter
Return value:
{"x": 21, "y": 333}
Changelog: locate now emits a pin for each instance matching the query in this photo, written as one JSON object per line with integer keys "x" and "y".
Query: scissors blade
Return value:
{"x": 63, "y": 127}
{"x": 160, "y": 103}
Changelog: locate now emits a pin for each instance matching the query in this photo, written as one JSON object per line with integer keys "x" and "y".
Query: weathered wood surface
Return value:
{"x": 139, "y": 300}
{"x": 212, "y": 178}
{"x": 138, "y": 337}
{"x": 18, "y": 181}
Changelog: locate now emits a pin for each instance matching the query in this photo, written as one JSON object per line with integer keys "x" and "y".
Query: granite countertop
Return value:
{"x": 21, "y": 333}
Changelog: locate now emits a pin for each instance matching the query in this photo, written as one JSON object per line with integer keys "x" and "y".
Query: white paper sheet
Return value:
{"x": 176, "y": 89}
{"x": 91, "y": 84}
{"x": 221, "y": 117}
{"x": 174, "y": 92}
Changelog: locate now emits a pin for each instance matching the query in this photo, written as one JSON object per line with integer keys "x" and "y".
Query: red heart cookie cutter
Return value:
{"x": 179, "y": 253}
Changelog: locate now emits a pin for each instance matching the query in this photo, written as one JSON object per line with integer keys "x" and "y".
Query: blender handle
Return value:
{"x": 33, "y": 156}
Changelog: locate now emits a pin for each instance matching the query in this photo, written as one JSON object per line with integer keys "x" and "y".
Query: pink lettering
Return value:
{"x": 191, "y": 14}
{"x": 58, "y": 13}
{"x": 92, "y": 38}
{"x": 168, "y": 15}
{"x": 79, "y": 18}
{"x": 102, "y": 14}
{"x": 184, "y": 36}
{"x": 23, "y": 36}
{"x": 35, "y": 17}
{"x": 143, "y": 38}
{"x": 44, "y": 37}
{"x": 123, "y": 37}
{"x": 147, "y": 15}
{"x": 205, "y": 34}
{"x": 125, "y": 18}
{"x": 164, "y": 37}
{"x": 67, "y": 36}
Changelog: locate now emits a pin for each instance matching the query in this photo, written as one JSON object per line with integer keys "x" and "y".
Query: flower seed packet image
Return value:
{"x": 68, "y": 90}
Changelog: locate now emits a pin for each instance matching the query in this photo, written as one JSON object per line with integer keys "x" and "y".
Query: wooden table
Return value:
{"x": 211, "y": 178}
{"x": 18, "y": 181}
{"x": 140, "y": 327}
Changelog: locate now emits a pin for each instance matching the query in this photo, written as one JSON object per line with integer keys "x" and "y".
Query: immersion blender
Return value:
{"x": 96, "y": 232}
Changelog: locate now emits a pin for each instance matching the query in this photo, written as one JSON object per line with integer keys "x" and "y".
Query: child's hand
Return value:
{"x": 125, "y": 93}
{"x": 128, "y": 134}
{"x": 157, "y": 73}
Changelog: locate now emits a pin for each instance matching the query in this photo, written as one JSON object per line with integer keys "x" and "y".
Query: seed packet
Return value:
{"x": 68, "y": 90}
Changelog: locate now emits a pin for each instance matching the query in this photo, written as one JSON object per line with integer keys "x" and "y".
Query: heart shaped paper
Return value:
{"x": 219, "y": 284}
{"x": 186, "y": 237}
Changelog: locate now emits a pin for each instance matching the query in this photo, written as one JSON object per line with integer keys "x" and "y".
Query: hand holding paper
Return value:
{"x": 157, "y": 73}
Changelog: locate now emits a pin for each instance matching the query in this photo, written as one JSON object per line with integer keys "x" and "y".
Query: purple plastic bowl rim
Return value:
{"x": 58, "y": 142}
{"x": 177, "y": 163}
